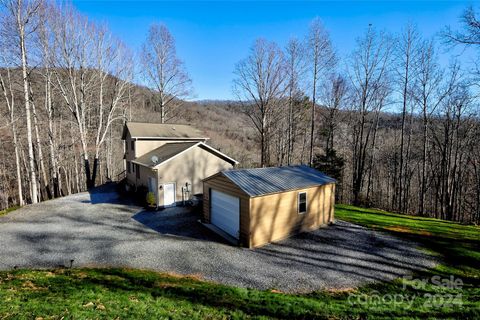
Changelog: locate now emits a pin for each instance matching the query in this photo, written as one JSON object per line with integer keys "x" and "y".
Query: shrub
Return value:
{"x": 151, "y": 201}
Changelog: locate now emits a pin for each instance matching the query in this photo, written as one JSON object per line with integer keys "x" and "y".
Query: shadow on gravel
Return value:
{"x": 106, "y": 193}
{"x": 177, "y": 221}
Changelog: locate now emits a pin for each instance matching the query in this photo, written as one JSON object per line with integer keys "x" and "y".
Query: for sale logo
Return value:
{"x": 433, "y": 292}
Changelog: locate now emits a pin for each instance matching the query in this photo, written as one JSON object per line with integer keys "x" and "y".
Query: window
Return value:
{"x": 137, "y": 171}
{"x": 128, "y": 166}
{"x": 132, "y": 145}
{"x": 133, "y": 167}
{"x": 302, "y": 202}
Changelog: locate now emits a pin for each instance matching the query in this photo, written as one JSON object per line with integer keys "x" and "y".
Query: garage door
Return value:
{"x": 225, "y": 212}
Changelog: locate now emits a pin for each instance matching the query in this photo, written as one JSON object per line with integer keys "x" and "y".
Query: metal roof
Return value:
{"x": 262, "y": 181}
{"x": 163, "y": 153}
{"x": 162, "y": 130}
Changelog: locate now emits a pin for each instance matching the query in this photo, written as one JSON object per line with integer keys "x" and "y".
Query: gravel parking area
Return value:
{"x": 99, "y": 229}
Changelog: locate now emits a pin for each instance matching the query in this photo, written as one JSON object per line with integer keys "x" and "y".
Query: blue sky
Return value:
{"x": 212, "y": 36}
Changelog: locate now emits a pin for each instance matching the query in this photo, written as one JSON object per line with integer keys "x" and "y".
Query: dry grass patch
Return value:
{"x": 408, "y": 230}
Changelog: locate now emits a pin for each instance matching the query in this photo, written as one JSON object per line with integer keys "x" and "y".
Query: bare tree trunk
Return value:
{"x": 31, "y": 157}
{"x": 43, "y": 172}
{"x": 10, "y": 102}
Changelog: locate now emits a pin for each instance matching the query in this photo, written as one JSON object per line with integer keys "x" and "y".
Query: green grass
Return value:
{"x": 136, "y": 294}
{"x": 2, "y": 212}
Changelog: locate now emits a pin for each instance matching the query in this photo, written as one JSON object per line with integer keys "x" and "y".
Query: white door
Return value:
{"x": 225, "y": 212}
{"x": 169, "y": 194}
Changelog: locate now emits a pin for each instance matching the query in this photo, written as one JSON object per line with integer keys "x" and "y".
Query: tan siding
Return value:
{"x": 191, "y": 166}
{"x": 274, "y": 217}
{"x": 223, "y": 184}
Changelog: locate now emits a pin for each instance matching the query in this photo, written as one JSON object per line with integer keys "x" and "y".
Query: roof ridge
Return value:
{"x": 257, "y": 181}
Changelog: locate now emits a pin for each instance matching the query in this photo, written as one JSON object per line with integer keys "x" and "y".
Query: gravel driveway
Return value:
{"x": 100, "y": 230}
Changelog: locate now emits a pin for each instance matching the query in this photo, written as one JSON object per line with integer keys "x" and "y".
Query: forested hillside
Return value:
{"x": 396, "y": 128}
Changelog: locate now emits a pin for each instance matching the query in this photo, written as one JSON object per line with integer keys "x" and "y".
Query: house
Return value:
{"x": 253, "y": 207}
{"x": 170, "y": 160}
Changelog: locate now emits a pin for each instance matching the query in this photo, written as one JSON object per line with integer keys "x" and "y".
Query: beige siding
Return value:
{"x": 143, "y": 179}
{"x": 141, "y": 147}
{"x": 223, "y": 184}
{"x": 274, "y": 217}
{"x": 191, "y": 166}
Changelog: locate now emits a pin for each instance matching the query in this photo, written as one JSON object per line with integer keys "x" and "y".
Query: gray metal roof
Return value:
{"x": 261, "y": 181}
{"x": 163, "y": 153}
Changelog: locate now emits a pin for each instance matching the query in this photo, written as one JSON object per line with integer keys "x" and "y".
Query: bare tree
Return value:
{"x": 470, "y": 35}
{"x": 114, "y": 66}
{"x": 333, "y": 95}
{"x": 406, "y": 53}
{"x": 259, "y": 84}
{"x": 320, "y": 56}
{"x": 164, "y": 72}
{"x": 89, "y": 59}
{"x": 429, "y": 93}
{"x": 8, "y": 94}
{"x": 369, "y": 79}
{"x": 295, "y": 71}
{"x": 47, "y": 51}
{"x": 22, "y": 17}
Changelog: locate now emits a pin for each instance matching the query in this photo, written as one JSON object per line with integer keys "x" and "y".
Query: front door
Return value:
{"x": 169, "y": 194}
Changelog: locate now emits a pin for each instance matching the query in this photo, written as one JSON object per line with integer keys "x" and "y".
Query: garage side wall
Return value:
{"x": 222, "y": 184}
{"x": 275, "y": 217}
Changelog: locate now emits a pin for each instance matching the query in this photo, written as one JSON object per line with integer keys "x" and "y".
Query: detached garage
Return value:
{"x": 253, "y": 207}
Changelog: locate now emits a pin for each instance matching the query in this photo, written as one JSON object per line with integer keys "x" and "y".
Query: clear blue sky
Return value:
{"x": 212, "y": 36}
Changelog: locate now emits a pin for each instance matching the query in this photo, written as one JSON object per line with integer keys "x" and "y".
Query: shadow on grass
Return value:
{"x": 107, "y": 284}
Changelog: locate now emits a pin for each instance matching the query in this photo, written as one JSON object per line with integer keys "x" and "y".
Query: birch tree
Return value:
{"x": 22, "y": 18}
{"x": 89, "y": 61}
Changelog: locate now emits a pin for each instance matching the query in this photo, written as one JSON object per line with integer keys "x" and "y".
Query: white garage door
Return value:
{"x": 225, "y": 212}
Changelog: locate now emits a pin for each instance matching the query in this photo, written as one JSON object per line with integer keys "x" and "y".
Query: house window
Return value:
{"x": 128, "y": 166}
{"x": 132, "y": 145}
{"x": 137, "y": 171}
{"x": 133, "y": 167}
{"x": 302, "y": 202}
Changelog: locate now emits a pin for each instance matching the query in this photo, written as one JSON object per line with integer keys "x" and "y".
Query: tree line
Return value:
{"x": 67, "y": 87}
{"x": 396, "y": 127}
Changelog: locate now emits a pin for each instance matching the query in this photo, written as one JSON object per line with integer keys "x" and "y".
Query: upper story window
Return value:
{"x": 302, "y": 202}
{"x": 128, "y": 166}
{"x": 132, "y": 145}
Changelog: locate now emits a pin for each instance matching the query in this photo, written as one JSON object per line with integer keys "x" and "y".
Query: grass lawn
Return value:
{"x": 2, "y": 212}
{"x": 129, "y": 294}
